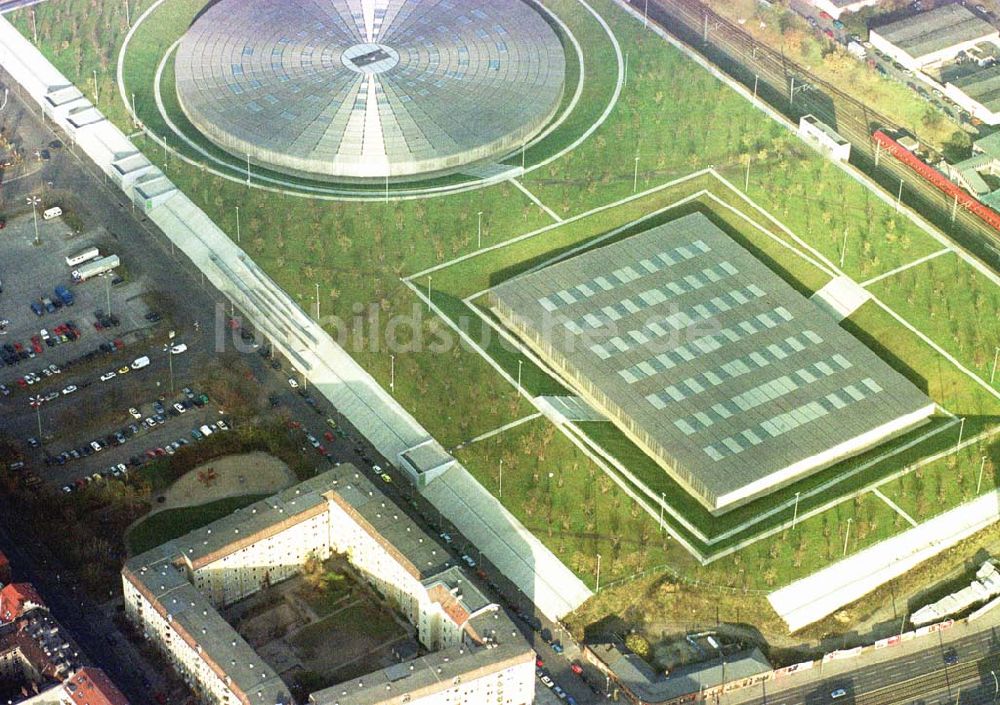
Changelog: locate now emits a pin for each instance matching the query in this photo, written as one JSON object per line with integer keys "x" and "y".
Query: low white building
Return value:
{"x": 173, "y": 592}
{"x": 932, "y": 37}
{"x": 824, "y": 137}
{"x": 836, "y": 8}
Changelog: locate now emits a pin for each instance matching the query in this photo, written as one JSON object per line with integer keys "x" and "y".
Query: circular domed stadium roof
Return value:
{"x": 357, "y": 89}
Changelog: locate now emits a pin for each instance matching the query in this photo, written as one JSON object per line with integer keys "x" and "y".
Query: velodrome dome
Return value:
{"x": 368, "y": 89}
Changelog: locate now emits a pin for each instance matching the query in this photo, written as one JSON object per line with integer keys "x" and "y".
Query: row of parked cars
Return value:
{"x": 121, "y": 436}
{"x": 46, "y": 304}
{"x": 118, "y": 471}
{"x": 15, "y": 353}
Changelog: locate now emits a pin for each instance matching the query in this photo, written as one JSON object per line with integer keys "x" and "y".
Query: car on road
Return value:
{"x": 545, "y": 679}
{"x": 124, "y": 370}
{"x": 950, "y": 657}
{"x": 70, "y": 389}
{"x": 178, "y": 349}
{"x": 134, "y": 413}
{"x": 180, "y": 407}
{"x": 312, "y": 440}
{"x": 838, "y": 693}
{"x": 557, "y": 647}
{"x": 292, "y": 383}
{"x": 96, "y": 446}
{"x": 108, "y": 375}
{"x": 468, "y": 560}
{"x": 223, "y": 426}
{"x": 576, "y": 668}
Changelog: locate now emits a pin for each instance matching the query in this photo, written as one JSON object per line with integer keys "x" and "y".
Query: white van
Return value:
{"x": 205, "y": 431}
{"x": 140, "y": 362}
{"x": 51, "y": 213}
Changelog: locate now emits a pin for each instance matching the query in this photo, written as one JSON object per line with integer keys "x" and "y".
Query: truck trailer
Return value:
{"x": 95, "y": 268}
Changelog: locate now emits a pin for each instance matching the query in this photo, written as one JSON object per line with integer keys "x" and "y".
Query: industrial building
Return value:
{"x": 340, "y": 91}
{"x": 978, "y": 92}
{"x": 836, "y": 8}
{"x": 731, "y": 380}
{"x": 932, "y": 37}
{"x": 174, "y": 591}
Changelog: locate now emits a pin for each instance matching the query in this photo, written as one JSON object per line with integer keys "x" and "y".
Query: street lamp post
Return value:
{"x": 795, "y": 514}
{"x": 500, "y": 493}
{"x": 97, "y": 90}
{"x": 645, "y": 14}
{"x": 982, "y": 466}
{"x": 597, "y": 587}
{"x": 519, "y": 363}
{"x": 847, "y": 535}
{"x": 33, "y": 201}
{"x": 662, "y": 502}
{"x": 479, "y": 238}
{"x": 170, "y": 360}
{"x": 996, "y": 354}
{"x": 392, "y": 374}
{"x": 38, "y": 414}
{"x": 635, "y": 175}
{"x": 248, "y": 169}
{"x": 317, "y": 301}
{"x": 961, "y": 430}
{"x": 237, "y": 224}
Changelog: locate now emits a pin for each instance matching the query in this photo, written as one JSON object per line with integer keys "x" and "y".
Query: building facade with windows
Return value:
{"x": 173, "y": 593}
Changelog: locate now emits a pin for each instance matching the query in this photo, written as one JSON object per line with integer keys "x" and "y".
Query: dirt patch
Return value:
{"x": 230, "y": 476}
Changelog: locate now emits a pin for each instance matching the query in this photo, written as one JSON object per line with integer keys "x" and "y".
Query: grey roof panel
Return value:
{"x": 934, "y": 30}
{"x": 722, "y": 395}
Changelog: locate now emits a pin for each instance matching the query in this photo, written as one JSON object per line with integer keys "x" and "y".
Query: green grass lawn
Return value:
{"x": 336, "y": 588}
{"x": 171, "y": 523}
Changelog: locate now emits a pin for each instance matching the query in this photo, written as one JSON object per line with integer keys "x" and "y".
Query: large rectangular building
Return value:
{"x": 732, "y": 380}
{"x": 933, "y": 36}
{"x": 173, "y": 593}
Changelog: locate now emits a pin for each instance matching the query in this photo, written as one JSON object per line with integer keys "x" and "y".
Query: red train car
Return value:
{"x": 937, "y": 179}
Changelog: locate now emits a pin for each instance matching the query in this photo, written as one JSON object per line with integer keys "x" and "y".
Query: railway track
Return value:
{"x": 794, "y": 91}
